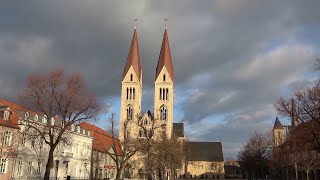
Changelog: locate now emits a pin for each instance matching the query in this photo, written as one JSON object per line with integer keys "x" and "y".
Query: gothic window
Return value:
{"x": 164, "y": 77}
{"x": 163, "y": 113}
{"x": 141, "y": 134}
{"x": 131, "y": 77}
{"x": 160, "y": 94}
{"x": 149, "y": 133}
{"x": 127, "y": 93}
{"x": 163, "y": 94}
{"x": 134, "y": 93}
{"x": 130, "y": 96}
{"x": 146, "y": 122}
{"x": 129, "y": 113}
{"x": 167, "y": 93}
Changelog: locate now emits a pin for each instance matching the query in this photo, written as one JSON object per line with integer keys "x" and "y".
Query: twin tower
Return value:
{"x": 131, "y": 92}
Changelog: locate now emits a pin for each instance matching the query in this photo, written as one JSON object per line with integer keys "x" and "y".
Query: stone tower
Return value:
{"x": 131, "y": 91}
{"x": 279, "y": 133}
{"x": 163, "y": 87}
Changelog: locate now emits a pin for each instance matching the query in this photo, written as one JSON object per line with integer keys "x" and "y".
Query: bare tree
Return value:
{"x": 59, "y": 95}
{"x": 122, "y": 151}
{"x": 9, "y": 142}
{"x": 254, "y": 156}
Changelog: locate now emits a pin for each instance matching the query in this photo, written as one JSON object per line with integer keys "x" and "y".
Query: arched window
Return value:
{"x": 129, "y": 113}
{"x": 127, "y": 93}
{"x": 130, "y": 96}
{"x": 167, "y": 93}
{"x": 164, "y": 77}
{"x": 35, "y": 117}
{"x": 160, "y": 94}
{"x": 145, "y": 122}
{"x": 163, "y": 93}
{"x": 141, "y": 134}
{"x": 163, "y": 113}
{"x": 134, "y": 93}
{"x": 131, "y": 77}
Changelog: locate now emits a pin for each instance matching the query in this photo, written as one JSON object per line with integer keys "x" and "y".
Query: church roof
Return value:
{"x": 205, "y": 151}
{"x": 133, "y": 57}
{"x": 165, "y": 57}
{"x": 178, "y": 129}
{"x": 277, "y": 124}
{"x": 102, "y": 139}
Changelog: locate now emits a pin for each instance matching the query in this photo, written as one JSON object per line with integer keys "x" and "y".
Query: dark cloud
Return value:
{"x": 232, "y": 58}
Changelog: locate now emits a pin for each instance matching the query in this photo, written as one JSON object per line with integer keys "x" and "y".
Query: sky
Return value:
{"x": 232, "y": 59}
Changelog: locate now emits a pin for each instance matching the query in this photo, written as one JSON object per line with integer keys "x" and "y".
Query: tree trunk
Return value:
{"x": 118, "y": 175}
{"x": 49, "y": 164}
{"x": 296, "y": 170}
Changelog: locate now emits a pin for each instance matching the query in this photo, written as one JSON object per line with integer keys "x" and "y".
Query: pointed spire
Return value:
{"x": 133, "y": 56}
{"x": 277, "y": 124}
{"x": 165, "y": 57}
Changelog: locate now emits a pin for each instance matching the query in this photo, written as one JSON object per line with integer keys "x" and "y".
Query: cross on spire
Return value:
{"x": 135, "y": 23}
{"x": 166, "y": 22}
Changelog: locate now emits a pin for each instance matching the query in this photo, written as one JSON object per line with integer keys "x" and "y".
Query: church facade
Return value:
{"x": 210, "y": 163}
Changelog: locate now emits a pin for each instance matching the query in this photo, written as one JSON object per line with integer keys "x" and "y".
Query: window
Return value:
{"x": 19, "y": 171}
{"x": 26, "y": 115}
{"x": 29, "y": 168}
{"x": 35, "y": 117}
{"x": 141, "y": 134}
{"x": 167, "y": 94}
{"x": 134, "y": 93}
{"x": 131, "y": 77}
{"x": 6, "y": 138}
{"x": 163, "y": 113}
{"x": 164, "y": 77}
{"x": 145, "y": 122}
{"x": 129, "y": 113}
{"x": 44, "y": 119}
{"x": 6, "y": 115}
{"x": 200, "y": 165}
{"x": 127, "y": 93}
{"x": 39, "y": 168}
{"x": 3, "y": 166}
{"x": 160, "y": 94}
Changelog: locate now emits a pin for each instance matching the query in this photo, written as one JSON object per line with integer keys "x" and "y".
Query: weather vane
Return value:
{"x": 135, "y": 23}
{"x": 166, "y": 22}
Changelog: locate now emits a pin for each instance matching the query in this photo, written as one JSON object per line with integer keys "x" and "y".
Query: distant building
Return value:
{"x": 72, "y": 159}
{"x": 232, "y": 170}
{"x": 103, "y": 166}
{"x": 205, "y": 161}
{"x": 9, "y": 132}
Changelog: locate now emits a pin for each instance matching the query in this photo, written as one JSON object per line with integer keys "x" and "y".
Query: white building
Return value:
{"x": 72, "y": 157}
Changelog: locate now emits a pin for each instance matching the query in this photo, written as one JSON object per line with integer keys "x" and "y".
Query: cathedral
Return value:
{"x": 131, "y": 91}
{"x": 206, "y": 159}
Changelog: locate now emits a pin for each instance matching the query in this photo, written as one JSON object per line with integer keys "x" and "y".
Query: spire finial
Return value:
{"x": 135, "y": 23}
{"x": 166, "y": 23}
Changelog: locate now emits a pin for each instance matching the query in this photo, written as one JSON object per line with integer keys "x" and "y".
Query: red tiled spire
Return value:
{"x": 133, "y": 56}
{"x": 165, "y": 57}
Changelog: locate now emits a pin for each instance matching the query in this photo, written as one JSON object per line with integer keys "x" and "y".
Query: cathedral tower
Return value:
{"x": 131, "y": 91}
{"x": 163, "y": 86}
{"x": 279, "y": 133}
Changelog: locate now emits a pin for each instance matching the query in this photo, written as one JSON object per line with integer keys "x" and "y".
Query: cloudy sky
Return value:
{"x": 232, "y": 59}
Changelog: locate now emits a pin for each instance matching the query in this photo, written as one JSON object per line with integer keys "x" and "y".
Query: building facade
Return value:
{"x": 103, "y": 165}
{"x": 140, "y": 125}
{"x": 9, "y": 132}
{"x": 72, "y": 157}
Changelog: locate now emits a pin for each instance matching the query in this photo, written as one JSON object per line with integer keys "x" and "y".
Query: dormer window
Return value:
{"x": 44, "y": 119}
{"x": 35, "y": 117}
{"x": 131, "y": 77}
{"x": 26, "y": 115}
{"x": 6, "y": 115}
{"x": 164, "y": 77}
